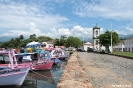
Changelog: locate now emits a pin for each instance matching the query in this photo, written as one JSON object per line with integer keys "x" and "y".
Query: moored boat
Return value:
{"x": 44, "y": 62}
{"x": 58, "y": 53}
{"x": 11, "y": 73}
{"x": 40, "y": 61}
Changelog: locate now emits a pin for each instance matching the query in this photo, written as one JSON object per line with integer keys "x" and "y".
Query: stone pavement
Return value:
{"x": 107, "y": 71}
{"x": 74, "y": 76}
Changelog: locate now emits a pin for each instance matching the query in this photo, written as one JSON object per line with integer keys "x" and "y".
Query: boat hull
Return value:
{"x": 59, "y": 57}
{"x": 43, "y": 65}
{"x": 62, "y": 57}
{"x": 14, "y": 77}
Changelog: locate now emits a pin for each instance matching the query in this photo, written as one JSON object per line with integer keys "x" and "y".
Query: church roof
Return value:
{"x": 88, "y": 43}
{"x": 96, "y": 27}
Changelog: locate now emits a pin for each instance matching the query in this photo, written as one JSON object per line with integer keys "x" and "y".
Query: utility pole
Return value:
{"x": 83, "y": 42}
{"x": 111, "y": 38}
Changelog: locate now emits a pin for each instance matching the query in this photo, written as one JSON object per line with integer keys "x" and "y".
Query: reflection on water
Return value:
{"x": 43, "y": 79}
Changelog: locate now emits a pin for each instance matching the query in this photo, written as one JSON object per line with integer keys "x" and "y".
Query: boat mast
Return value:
{"x": 11, "y": 59}
{"x": 16, "y": 64}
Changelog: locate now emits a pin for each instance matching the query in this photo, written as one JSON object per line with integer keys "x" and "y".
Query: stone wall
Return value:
{"x": 74, "y": 76}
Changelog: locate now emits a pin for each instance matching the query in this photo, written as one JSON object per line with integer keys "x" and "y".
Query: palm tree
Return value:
{"x": 21, "y": 37}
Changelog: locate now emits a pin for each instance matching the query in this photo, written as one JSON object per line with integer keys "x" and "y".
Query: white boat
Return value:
{"x": 59, "y": 53}
{"x": 10, "y": 72}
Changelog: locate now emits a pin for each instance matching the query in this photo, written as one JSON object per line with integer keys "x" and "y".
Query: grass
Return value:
{"x": 129, "y": 54}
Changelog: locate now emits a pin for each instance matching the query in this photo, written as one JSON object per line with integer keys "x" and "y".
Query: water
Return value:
{"x": 43, "y": 79}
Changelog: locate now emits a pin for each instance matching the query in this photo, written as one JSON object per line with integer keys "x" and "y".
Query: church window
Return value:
{"x": 96, "y": 42}
{"x": 96, "y": 32}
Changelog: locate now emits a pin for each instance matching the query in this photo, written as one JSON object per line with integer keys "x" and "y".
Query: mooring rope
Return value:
{"x": 44, "y": 75}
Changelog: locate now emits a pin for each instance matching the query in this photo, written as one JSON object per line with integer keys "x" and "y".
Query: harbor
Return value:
{"x": 83, "y": 70}
{"x": 66, "y": 44}
{"x": 42, "y": 79}
{"x": 69, "y": 74}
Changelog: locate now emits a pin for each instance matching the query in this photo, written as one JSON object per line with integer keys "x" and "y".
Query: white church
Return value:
{"x": 95, "y": 44}
{"x": 125, "y": 45}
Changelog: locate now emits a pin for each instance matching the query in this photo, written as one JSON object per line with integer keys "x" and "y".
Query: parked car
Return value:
{"x": 102, "y": 51}
{"x": 80, "y": 50}
{"x": 91, "y": 50}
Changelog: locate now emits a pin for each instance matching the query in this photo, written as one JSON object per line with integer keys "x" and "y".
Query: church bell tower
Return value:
{"x": 96, "y": 33}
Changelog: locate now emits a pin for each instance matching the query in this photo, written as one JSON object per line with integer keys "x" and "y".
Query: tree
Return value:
{"x": 63, "y": 37}
{"x": 17, "y": 42}
{"x": 62, "y": 40}
{"x": 105, "y": 39}
{"x": 32, "y": 37}
{"x": 11, "y": 43}
{"x": 57, "y": 42}
{"x": 73, "y": 42}
{"x": 44, "y": 38}
{"x": 21, "y": 37}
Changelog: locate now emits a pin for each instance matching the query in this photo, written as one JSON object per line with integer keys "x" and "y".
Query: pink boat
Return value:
{"x": 10, "y": 72}
{"x": 40, "y": 61}
{"x": 42, "y": 65}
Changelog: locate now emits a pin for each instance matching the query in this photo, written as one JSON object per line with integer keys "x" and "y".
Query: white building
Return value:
{"x": 95, "y": 44}
{"x": 119, "y": 46}
{"x": 125, "y": 45}
{"x": 96, "y": 33}
{"x": 87, "y": 44}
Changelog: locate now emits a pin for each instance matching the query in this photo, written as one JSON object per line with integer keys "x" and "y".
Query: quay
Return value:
{"x": 74, "y": 76}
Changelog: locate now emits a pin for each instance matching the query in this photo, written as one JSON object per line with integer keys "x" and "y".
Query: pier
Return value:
{"x": 74, "y": 76}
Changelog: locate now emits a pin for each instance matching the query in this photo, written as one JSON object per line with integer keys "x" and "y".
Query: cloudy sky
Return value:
{"x": 54, "y": 18}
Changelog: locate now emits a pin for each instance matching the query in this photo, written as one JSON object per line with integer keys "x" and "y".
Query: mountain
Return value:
{"x": 125, "y": 36}
{"x": 6, "y": 38}
{"x": 86, "y": 39}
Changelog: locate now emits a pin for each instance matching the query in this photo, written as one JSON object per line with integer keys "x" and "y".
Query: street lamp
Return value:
{"x": 111, "y": 39}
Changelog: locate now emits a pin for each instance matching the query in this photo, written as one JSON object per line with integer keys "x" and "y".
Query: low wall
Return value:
{"x": 74, "y": 76}
{"x": 128, "y": 57}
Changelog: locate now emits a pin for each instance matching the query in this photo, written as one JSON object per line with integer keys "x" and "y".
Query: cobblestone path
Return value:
{"x": 107, "y": 71}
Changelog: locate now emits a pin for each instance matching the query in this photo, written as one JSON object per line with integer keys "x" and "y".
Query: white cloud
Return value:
{"x": 31, "y": 30}
{"x": 26, "y": 17}
{"x": 32, "y": 25}
{"x": 125, "y": 29}
{"x": 107, "y": 9}
{"x": 17, "y": 15}
{"x": 64, "y": 31}
{"x": 34, "y": 30}
{"x": 130, "y": 30}
{"x": 76, "y": 31}
{"x": 80, "y": 31}
{"x": 121, "y": 32}
{"x": 114, "y": 9}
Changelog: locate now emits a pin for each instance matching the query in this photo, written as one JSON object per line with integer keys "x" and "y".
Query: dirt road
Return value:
{"x": 106, "y": 71}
